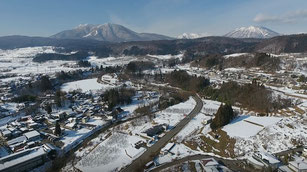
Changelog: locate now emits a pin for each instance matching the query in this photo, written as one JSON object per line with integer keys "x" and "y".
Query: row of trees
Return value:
{"x": 262, "y": 60}
{"x": 80, "y": 55}
{"x": 252, "y": 96}
{"x": 139, "y": 66}
{"x": 117, "y": 96}
{"x": 181, "y": 79}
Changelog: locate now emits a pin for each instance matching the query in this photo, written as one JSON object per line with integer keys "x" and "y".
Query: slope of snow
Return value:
{"x": 20, "y": 61}
{"x": 25, "y": 52}
{"x": 235, "y": 55}
{"x": 252, "y": 32}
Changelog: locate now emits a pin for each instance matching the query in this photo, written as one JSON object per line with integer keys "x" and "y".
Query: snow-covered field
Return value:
{"x": 167, "y": 57}
{"x": 111, "y": 61}
{"x": 85, "y": 85}
{"x": 115, "y": 152}
{"x": 174, "y": 114}
{"x": 25, "y": 52}
{"x": 247, "y": 126}
{"x": 19, "y": 61}
{"x": 285, "y": 134}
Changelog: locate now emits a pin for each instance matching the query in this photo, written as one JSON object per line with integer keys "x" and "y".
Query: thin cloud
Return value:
{"x": 291, "y": 17}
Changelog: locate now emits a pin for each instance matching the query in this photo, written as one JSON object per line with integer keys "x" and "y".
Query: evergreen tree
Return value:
{"x": 57, "y": 130}
{"x": 223, "y": 116}
{"x": 45, "y": 84}
{"x": 48, "y": 108}
{"x": 58, "y": 98}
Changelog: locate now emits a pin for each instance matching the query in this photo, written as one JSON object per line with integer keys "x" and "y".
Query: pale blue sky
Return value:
{"x": 169, "y": 17}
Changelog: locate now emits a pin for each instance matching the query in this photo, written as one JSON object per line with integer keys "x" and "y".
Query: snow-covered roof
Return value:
{"x": 167, "y": 146}
{"x": 269, "y": 157}
{"x": 20, "y": 157}
{"x": 302, "y": 165}
{"x": 32, "y": 134}
{"x": 17, "y": 140}
{"x": 285, "y": 168}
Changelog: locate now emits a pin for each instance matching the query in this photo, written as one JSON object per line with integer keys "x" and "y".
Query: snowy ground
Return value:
{"x": 289, "y": 92}
{"x": 138, "y": 101}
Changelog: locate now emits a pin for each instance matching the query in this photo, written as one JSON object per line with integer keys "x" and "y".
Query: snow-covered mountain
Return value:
{"x": 192, "y": 35}
{"x": 107, "y": 32}
{"x": 252, "y": 32}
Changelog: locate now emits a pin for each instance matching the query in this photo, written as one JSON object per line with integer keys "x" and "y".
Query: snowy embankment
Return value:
{"x": 73, "y": 138}
{"x": 200, "y": 121}
{"x": 176, "y": 113}
{"x": 115, "y": 152}
{"x": 289, "y": 92}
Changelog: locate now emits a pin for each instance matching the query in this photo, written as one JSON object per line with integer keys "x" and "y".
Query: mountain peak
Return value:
{"x": 252, "y": 32}
{"x": 107, "y": 32}
{"x": 192, "y": 35}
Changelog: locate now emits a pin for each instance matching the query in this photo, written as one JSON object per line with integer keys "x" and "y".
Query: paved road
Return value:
{"x": 229, "y": 163}
{"x": 139, "y": 163}
{"x": 299, "y": 149}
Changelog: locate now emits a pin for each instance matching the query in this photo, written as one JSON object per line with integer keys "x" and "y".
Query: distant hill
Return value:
{"x": 107, "y": 32}
{"x": 252, "y": 32}
{"x": 201, "y": 46}
{"x": 11, "y": 42}
{"x": 204, "y": 45}
{"x": 284, "y": 44}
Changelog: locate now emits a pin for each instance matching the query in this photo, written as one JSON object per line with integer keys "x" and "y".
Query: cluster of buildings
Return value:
{"x": 22, "y": 145}
{"x": 26, "y": 141}
{"x": 294, "y": 163}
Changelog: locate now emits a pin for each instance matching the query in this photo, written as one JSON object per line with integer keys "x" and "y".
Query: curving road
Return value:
{"x": 139, "y": 163}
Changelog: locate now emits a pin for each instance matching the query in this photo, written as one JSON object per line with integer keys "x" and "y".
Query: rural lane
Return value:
{"x": 139, "y": 163}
